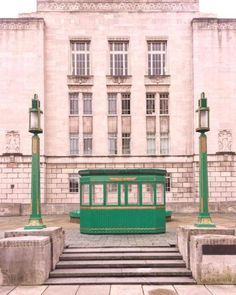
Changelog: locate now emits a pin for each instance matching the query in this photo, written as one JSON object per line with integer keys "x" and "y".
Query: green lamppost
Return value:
{"x": 35, "y": 220}
{"x": 204, "y": 219}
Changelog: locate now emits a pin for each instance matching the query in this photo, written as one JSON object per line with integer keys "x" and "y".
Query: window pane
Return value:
{"x": 133, "y": 198}
{"x": 164, "y": 144}
{"x": 118, "y": 58}
{"x": 125, "y": 104}
{"x": 87, "y": 99}
{"x": 74, "y": 103}
{"x": 112, "y": 194}
{"x": 125, "y": 143}
{"x": 112, "y": 103}
{"x": 150, "y": 103}
{"x": 74, "y": 143}
{"x": 122, "y": 194}
{"x": 148, "y": 194}
{"x": 112, "y": 143}
{"x": 87, "y": 144}
{"x": 151, "y": 144}
{"x": 156, "y": 57}
{"x": 73, "y": 183}
{"x": 160, "y": 194}
{"x": 97, "y": 196}
{"x": 80, "y": 58}
{"x": 85, "y": 194}
{"x": 168, "y": 182}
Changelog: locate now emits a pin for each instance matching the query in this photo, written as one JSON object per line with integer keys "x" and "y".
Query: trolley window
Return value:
{"x": 97, "y": 194}
{"x": 148, "y": 194}
{"x": 112, "y": 194}
{"x": 85, "y": 194}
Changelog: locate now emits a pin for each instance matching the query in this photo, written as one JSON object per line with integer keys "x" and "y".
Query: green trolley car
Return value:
{"x": 122, "y": 201}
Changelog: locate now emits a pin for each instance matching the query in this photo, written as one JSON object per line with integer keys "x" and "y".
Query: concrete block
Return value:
{"x": 7, "y": 209}
{"x": 56, "y": 235}
{"x": 213, "y": 259}
{"x": 185, "y": 232}
{"x": 24, "y": 260}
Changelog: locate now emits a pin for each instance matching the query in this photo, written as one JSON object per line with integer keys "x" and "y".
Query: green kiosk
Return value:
{"x": 118, "y": 201}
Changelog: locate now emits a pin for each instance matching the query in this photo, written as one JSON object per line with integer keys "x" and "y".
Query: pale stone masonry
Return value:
{"x": 119, "y": 84}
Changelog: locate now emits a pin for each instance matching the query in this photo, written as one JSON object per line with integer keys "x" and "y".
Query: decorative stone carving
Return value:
{"x": 225, "y": 140}
{"x": 217, "y": 24}
{"x": 119, "y": 80}
{"x": 158, "y": 5}
{"x": 79, "y": 80}
{"x": 20, "y": 24}
{"x": 157, "y": 80}
{"x": 12, "y": 142}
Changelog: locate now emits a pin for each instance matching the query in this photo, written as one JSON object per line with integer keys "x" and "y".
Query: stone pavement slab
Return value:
{"x": 28, "y": 290}
{"x": 126, "y": 290}
{"x": 94, "y": 290}
{"x": 61, "y": 290}
{"x": 4, "y": 290}
{"x": 222, "y": 289}
{"x": 160, "y": 290}
{"x": 192, "y": 290}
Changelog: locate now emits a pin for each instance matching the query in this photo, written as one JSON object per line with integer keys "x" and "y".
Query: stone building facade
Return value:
{"x": 119, "y": 84}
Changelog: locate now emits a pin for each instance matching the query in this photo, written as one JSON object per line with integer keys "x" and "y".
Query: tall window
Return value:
{"x": 150, "y": 103}
{"x": 87, "y": 143}
{"x": 125, "y": 143}
{"x": 118, "y": 58}
{"x": 74, "y": 143}
{"x": 164, "y": 143}
{"x": 87, "y": 101}
{"x": 112, "y": 143}
{"x": 112, "y": 103}
{"x": 125, "y": 104}
{"x": 74, "y": 103}
{"x": 73, "y": 183}
{"x": 156, "y": 58}
{"x": 151, "y": 143}
{"x": 80, "y": 58}
{"x": 168, "y": 182}
{"x": 164, "y": 104}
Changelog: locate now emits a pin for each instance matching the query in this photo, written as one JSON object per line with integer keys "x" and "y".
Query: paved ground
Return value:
{"x": 74, "y": 237}
{"x": 120, "y": 290}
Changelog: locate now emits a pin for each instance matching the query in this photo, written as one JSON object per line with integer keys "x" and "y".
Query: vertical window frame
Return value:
{"x": 119, "y": 58}
{"x": 157, "y": 57}
{"x": 73, "y": 183}
{"x": 80, "y": 57}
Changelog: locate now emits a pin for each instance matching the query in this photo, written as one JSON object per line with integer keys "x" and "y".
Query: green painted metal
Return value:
{"x": 74, "y": 214}
{"x": 35, "y": 220}
{"x": 123, "y": 217}
{"x": 204, "y": 219}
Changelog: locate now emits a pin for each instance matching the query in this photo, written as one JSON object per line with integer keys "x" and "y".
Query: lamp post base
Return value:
{"x": 35, "y": 224}
{"x": 204, "y": 222}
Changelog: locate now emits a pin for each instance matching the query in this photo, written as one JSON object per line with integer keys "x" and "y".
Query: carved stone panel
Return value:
{"x": 225, "y": 140}
{"x": 88, "y": 124}
{"x": 12, "y": 142}
{"x": 112, "y": 124}
{"x": 74, "y": 124}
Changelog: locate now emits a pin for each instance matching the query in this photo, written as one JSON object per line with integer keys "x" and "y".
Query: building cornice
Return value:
{"x": 21, "y": 23}
{"x": 119, "y": 6}
{"x": 214, "y": 23}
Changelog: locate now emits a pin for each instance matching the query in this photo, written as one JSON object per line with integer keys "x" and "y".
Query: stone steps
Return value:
{"x": 120, "y": 265}
{"x": 120, "y": 272}
{"x": 120, "y": 256}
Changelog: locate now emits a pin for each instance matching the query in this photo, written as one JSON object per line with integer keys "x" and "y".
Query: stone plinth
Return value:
{"x": 213, "y": 259}
{"x": 24, "y": 260}
{"x": 56, "y": 235}
{"x": 185, "y": 232}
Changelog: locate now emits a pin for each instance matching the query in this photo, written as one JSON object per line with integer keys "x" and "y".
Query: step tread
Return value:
{"x": 118, "y": 256}
{"x": 120, "y": 263}
{"x": 142, "y": 271}
{"x": 121, "y": 280}
{"x": 121, "y": 250}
